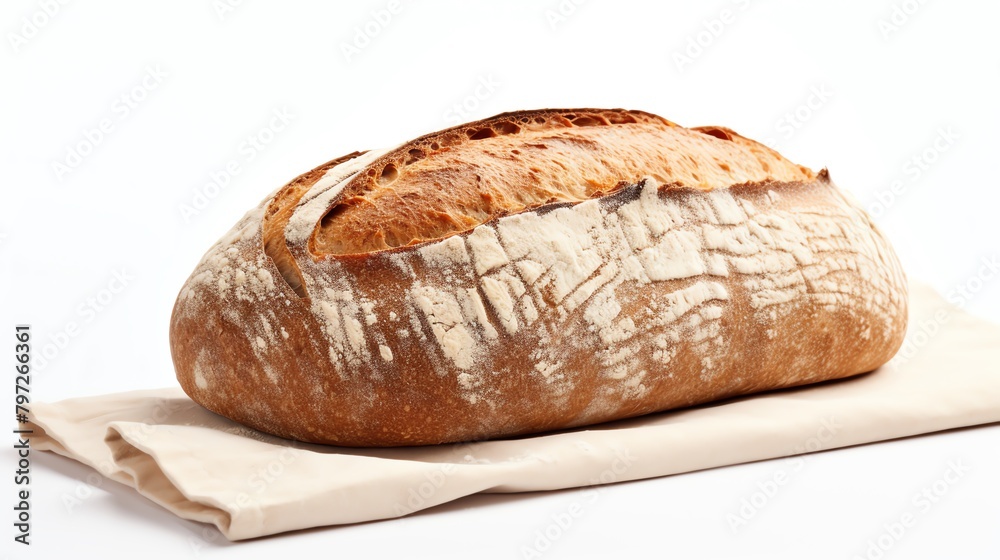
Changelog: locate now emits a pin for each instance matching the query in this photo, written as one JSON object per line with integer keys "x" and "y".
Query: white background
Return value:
{"x": 841, "y": 85}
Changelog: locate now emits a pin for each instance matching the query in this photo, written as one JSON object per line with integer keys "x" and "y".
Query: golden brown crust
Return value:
{"x": 456, "y": 179}
{"x": 651, "y": 297}
{"x": 280, "y": 210}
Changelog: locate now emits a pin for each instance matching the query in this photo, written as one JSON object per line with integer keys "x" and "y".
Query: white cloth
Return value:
{"x": 203, "y": 467}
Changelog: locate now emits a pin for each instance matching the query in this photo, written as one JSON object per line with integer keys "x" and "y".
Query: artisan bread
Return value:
{"x": 534, "y": 271}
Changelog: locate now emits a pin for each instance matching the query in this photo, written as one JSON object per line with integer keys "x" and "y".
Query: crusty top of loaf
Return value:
{"x": 456, "y": 179}
{"x": 451, "y": 181}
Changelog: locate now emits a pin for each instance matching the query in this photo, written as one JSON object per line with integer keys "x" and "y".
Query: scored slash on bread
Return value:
{"x": 536, "y": 270}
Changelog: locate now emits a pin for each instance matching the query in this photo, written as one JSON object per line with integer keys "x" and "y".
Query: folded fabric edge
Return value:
{"x": 45, "y": 439}
{"x": 157, "y": 485}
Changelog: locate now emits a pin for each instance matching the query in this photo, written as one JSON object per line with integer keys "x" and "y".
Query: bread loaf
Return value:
{"x": 533, "y": 271}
